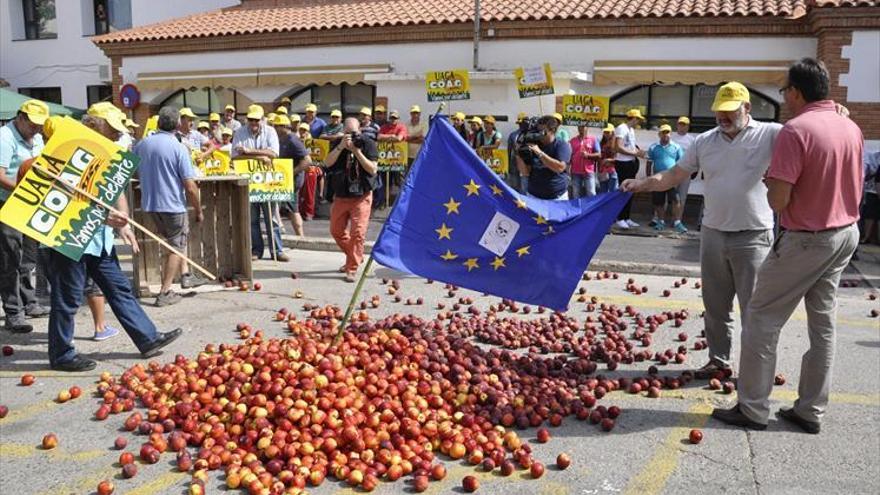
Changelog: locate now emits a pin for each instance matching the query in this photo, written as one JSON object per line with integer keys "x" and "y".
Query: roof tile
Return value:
{"x": 276, "y": 16}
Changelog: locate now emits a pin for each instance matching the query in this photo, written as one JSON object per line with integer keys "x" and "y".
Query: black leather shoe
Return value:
{"x": 735, "y": 417}
{"x": 78, "y": 363}
{"x": 788, "y": 414}
{"x": 710, "y": 369}
{"x": 161, "y": 341}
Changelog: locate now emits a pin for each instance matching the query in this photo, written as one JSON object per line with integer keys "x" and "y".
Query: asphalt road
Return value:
{"x": 646, "y": 453}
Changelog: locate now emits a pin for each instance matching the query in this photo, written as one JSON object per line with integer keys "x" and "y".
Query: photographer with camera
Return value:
{"x": 353, "y": 176}
{"x": 543, "y": 159}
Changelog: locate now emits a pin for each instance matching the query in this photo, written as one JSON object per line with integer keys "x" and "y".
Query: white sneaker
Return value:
{"x": 621, "y": 224}
{"x": 631, "y": 223}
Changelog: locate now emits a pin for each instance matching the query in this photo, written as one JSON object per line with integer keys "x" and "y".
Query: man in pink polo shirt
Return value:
{"x": 814, "y": 183}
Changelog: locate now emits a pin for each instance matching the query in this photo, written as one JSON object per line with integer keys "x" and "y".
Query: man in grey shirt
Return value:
{"x": 737, "y": 228}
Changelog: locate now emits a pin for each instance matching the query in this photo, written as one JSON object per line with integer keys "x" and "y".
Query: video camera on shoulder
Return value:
{"x": 531, "y": 135}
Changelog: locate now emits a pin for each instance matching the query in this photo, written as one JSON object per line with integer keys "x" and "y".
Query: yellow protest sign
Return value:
{"x": 271, "y": 181}
{"x": 151, "y": 126}
{"x": 393, "y": 157}
{"x": 318, "y": 150}
{"x": 591, "y": 111}
{"x": 448, "y": 85}
{"x": 49, "y": 213}
{"x": 217, "y": 163}
{"x": 496, "y": 159}
{"x": 534, "y": 81}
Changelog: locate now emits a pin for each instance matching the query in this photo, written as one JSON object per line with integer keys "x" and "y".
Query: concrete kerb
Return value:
{"x": 328, "y": 244}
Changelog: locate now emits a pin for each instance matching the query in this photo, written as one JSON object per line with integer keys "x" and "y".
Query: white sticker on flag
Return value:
{"x": 534, "y": 76}
{"x": 499, "y": 234}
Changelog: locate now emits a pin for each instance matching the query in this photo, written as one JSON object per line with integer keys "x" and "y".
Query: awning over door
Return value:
{"x": 244, "y": 78}
{"x": 631, "y": 72}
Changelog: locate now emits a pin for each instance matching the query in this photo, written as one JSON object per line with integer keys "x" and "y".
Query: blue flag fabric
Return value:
{"x": 458, "y": 223}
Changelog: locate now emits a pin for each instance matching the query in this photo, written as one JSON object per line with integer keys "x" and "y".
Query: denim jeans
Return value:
{"x": 610, "y": 184}
{"x": 259, "y": 212}
{"x": 583, "y": 185}
{"x": 68, "y": 278}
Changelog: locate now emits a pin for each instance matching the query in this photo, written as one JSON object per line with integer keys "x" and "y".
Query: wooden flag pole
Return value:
{"x": 369, "y": 265}
{"x": 130, "y": 220}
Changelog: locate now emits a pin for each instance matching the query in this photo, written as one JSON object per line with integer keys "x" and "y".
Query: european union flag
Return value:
{"x": 458, "y": 223}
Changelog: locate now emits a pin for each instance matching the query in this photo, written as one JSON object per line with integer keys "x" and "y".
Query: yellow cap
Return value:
{"x": 187, "y": 112}
{"x": 304, "y": 127}
{"x": 131, "y": 123}
{"x": 229, "y": 107}
{"x": 255, "y": 112}
{"x": 226, "y": 131}
{"x": 203, "y": 125}
{"x": 415, "y": 109}
{"x": 477, "y": 120}
{"x": 635, "y": 113}
{"x": 366, "y": 111}
{"x": 311, "y": 107}
{"x": 521, "y": 116}
{"x": 336, "y": 113}
{"x": 684, "y": 120}
{"x": 460, "y": 116}
{"x": 489, "y": 119}
{"x": 36, "y": 110}
{"x": 281, "y": 109}
{"x": 380, "y": 108}
{"x": 608, "y": 128}
{"x": 281, "y": 120}
{"x": 271, "y": 116}
{"x": 729, "y": 97}
{"x": 285, "y": 100}
{"x": 214, "y": 117}
{"x": 294, "y": 117}
{"x": 557, "y": 116}
{"x": 665, "y": 128}
{"x": 107, "y": 111}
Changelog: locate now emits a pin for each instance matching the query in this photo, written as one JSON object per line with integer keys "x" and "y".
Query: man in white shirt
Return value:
{"x": 737, "y": 228}
{"x": 685, "y": 139}
{"x": 626, "y": 162}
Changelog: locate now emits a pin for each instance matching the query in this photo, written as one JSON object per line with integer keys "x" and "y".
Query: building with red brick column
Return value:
{"x": 665, "y": 56}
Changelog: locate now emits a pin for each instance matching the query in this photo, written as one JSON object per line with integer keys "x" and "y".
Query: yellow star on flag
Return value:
{"x": 520, "y": 203}
{"x": 495, "y": 190}
{"x": 498, "y": 263}
{"x": 540, "y": 220}
{"x": 449, "y": 256}
{"x": 523, "y": 251}
{"x": 473, "y": 188}
{"x": 452, "y": 206}
{"x": 443, "y": 232}
{"x": 471, "y": 263}
{"x": 549, "y": 230}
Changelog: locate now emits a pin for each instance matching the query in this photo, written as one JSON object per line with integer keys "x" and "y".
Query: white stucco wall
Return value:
{"x": 496, "y": 97}
{"x": 72, "y": 61}
{"x": 863, "y": 79}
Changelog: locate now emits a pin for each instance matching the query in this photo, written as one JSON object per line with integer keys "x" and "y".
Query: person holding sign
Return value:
{"x": 352, "y": 177}
{"x": 167, "y": 181}
{"x": 391, "y": 132}
{"x": 290, "y": 146}
{"x": 99, "y": 261}
{"x": 260, "y": 141}
{"x": 20, "y": 140}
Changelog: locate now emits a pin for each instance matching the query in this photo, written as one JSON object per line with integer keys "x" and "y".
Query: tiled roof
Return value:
{"x": 275, "y": 16}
